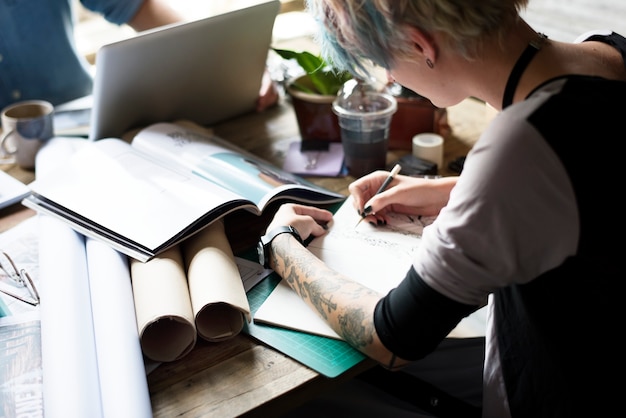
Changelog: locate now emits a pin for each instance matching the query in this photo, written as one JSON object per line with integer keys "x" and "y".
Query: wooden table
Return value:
{"x": 240, "y": 376}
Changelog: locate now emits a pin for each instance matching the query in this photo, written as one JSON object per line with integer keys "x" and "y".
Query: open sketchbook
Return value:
{"x": 376, "y": 256}
{"x": 167, "y": 184}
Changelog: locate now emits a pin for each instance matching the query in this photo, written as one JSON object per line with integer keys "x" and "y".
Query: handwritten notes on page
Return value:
{"x": 376, "y": 256}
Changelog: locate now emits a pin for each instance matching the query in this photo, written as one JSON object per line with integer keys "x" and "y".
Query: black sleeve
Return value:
{"x": 413, "y": 318}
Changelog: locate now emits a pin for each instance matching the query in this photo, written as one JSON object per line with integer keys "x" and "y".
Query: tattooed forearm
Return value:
{"x": 357, "y": 327}
{"x": 321, "y": 286}
{"x": 320, "y": 293}
{"x": 321, "y": 296}
{"x": 346, "y": 305}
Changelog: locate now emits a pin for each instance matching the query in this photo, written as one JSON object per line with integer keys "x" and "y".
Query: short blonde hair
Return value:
{"x": 352, "y": 32}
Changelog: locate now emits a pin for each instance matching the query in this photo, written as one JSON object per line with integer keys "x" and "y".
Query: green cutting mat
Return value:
{"x": 327, "y": 356}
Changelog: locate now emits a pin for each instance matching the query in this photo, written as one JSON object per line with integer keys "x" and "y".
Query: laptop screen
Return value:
{"x": 204, "y": 71}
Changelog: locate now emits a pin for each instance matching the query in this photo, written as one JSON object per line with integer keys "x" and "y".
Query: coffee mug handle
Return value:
{"x": 3, "y": 142}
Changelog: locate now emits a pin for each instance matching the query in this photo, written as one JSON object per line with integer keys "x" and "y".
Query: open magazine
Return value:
{"x": 167, "y": 184}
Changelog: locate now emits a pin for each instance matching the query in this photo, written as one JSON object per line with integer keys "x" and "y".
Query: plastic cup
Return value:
{"x": 364, "y": 120}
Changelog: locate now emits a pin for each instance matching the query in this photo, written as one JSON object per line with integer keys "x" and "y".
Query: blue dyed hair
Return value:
{"x": 353, "y": 33}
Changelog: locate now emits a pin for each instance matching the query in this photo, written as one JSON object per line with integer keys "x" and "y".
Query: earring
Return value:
{"x": 429, "y": 63}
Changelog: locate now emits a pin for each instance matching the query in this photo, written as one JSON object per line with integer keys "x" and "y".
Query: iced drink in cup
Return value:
{"x": 364, "y": 118}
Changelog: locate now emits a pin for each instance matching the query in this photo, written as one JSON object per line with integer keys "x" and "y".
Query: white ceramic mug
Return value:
{"x": 25, "y": 127}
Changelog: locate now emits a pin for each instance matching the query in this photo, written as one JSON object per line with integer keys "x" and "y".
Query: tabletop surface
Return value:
{"x": 241, "y": 376}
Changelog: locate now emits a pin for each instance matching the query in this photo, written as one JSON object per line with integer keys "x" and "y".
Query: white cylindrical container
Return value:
{"x": 429, "y": 146}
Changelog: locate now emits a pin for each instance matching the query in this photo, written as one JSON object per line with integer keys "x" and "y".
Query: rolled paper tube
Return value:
{"x": 163, "y": 307}
{"x": 429, "y": 146}
{"x": 218, "y": 298}
{"x": 116, "y": 336}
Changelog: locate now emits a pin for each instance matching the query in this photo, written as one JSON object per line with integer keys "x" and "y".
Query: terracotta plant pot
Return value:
{"x": 317, "y": 123}
{"x": 319, "y": 126}
{"x": 416, "y": 114}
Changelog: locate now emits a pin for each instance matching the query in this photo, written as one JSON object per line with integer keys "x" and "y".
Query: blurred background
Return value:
{"x": 562, "y": 20}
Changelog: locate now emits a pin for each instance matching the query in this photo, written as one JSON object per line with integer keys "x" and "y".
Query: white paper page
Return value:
{"x": 11, "y": 190}
{"x": 210, "y": 157}
{"x": 188, "y": 152}
{"x": 71, "y": 383}
{"x": 123, "y": 384}
{"x": 377, "y": 257}
{"x": 108, "y": 183}
{"x": 21, "y": 374}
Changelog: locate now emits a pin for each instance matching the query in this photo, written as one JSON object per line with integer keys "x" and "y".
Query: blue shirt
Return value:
{"x": 38, "y": 55}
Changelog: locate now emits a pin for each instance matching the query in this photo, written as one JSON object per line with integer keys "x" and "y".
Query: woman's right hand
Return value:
{"x": 405, "y": 194}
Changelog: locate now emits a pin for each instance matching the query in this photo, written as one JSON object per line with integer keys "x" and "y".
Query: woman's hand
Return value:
{"x": 405, "y": 194}
{"x": 268, "y": 94}
{"x": 307, "y": 220}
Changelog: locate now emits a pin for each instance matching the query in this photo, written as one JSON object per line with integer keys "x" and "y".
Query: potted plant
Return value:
{"x": 312, "y": 95}
{"x": 415, "y": 114}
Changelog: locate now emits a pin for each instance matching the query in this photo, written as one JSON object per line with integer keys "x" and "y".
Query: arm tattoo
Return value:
{"x": 356, "y": 327}
{"x": 321, "y": 286}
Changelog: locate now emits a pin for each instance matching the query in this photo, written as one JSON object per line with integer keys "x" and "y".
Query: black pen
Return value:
{"x": 368, "y": 208}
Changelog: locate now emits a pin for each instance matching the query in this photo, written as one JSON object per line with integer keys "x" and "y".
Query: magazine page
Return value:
{"x": 210, "y": 157}
{"x": 107, "y": 189}
{"x": 136, "y": 202}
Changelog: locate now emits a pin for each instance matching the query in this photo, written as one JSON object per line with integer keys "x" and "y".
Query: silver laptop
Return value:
{"x": 205, "y": 71}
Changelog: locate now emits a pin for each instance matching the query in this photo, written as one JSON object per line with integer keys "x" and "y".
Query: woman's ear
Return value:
{"x": 423, "y": 43}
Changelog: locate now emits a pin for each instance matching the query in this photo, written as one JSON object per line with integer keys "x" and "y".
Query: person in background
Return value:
{"x": 525, "y": 229}
{"x": 38, "y": 54}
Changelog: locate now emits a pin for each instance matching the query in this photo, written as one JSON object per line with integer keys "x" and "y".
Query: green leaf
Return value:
{"x": 325, "y": 79}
